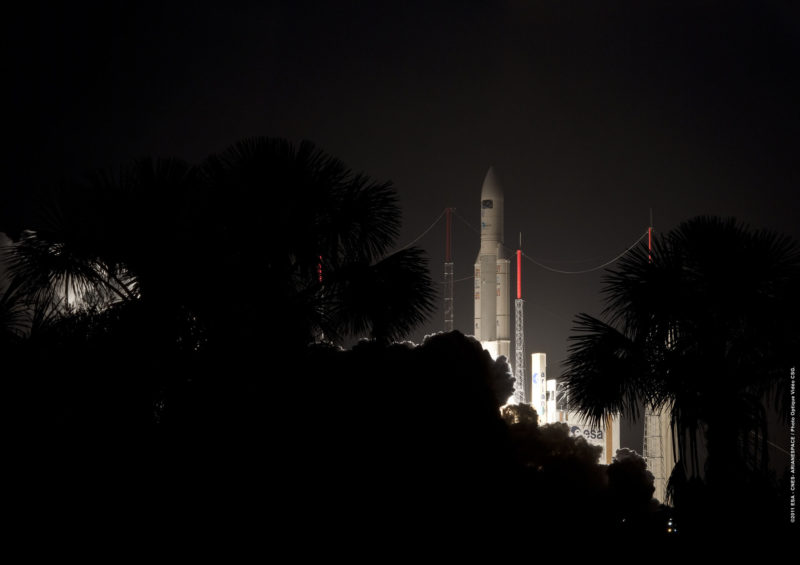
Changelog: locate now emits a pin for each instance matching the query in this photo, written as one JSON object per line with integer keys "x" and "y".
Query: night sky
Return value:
{"x": 591, "y": 112}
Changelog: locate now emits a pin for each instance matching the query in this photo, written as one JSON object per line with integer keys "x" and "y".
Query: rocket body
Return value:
{"x": 492, "y": 279}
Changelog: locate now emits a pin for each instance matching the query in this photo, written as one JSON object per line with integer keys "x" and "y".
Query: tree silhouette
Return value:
{"x": 195, "y": 270}
{"x": 309, "y": 238}
{"x": 706, "y": 329}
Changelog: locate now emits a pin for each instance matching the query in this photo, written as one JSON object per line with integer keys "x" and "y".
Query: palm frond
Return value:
{"x": 14, "y": 313}
{"x": 385, "y": 300}
{"x": 368, "y": 218}
{"x": 606, "y": 374}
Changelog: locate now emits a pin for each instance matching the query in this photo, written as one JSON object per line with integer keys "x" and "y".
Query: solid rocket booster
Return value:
{"x": 492, "y": 299}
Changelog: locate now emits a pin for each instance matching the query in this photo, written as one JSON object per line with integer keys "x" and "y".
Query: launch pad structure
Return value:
{"x": 657, "y": 441}
{"x": 492, "y": 328}
{"x": 492, "y": 288}
{"x": 521, "y": 395}
{"x": 448, "y": 273}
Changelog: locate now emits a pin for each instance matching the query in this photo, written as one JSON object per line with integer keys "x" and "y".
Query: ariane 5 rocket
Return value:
{"x": 492, "y": 299}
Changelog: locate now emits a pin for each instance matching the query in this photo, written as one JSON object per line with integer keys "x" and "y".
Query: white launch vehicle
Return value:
{"x": 492, "y": 281}
{"x": 493, "y": 327}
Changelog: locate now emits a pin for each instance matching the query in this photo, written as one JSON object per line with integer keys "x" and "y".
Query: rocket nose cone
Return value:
{"x": 491, "y": 189}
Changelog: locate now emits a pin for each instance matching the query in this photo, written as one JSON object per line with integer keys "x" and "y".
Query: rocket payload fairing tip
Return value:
{"x": 492, "y": 204}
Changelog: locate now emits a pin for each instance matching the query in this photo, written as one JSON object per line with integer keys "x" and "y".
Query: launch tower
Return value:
{"x": 521, "y": 394}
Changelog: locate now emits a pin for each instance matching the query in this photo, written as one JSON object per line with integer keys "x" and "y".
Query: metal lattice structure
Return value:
{"x": 448, "y": 275}
{"x": 653, "y": 449}
{"x": 521, "y": 395}
{"x": 653, "y": 441}
{"x": 448, "y": 296}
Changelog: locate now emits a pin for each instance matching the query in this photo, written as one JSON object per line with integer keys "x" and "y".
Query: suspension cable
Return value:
{"x": 553, "y": 269}
{"x": 420, "y": 236}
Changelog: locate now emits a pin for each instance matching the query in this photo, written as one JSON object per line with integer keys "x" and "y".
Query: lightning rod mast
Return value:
{"x": 448, "y": 273}
{"x": 521, "y": 395}
{"x": 653, "y": 440}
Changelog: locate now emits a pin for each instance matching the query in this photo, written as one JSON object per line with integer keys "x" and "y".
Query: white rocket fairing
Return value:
{"x": 492, "y": 299}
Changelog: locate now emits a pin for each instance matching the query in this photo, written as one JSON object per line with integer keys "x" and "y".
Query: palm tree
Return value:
{"x": 14, "y": 319}
{"x": 297, "y": 229}
{"x": 266, "y": 245}
{"x": 107, "y": 238}
{"x": 706, "y": 330}
{"x": 262, "y": 228}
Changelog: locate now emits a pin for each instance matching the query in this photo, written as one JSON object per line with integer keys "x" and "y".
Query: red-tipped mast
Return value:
{"x": 521, "y": 390}
{"x": 519, "y": 268}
